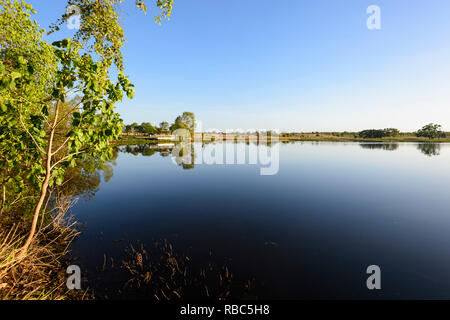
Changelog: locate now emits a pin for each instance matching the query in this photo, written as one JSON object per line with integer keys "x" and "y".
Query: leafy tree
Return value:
{"x": 185, "y": 121}
{"x": 391, "y": 132}
{"x": 188, "y": 118}
{"x": 40, "y": 134}
{"x": 21, "y": 49}
{"x": 164, "y": 127}
{"x": 99, "y": 21}
{"x": 379, "y": 133}
{"x": 145, "y": 127}
{"x": 135, "y": 127}
{"x": 178, "y": 124}
{"x": 93, "y": 123}
{"x": 148, "y": 128}
{"x": 127, "y": 128}
{"x": 430, "y": 131}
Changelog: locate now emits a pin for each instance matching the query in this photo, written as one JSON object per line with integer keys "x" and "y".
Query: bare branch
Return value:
{"x": 61, "y": 146}
{"x": 65, "y": 158}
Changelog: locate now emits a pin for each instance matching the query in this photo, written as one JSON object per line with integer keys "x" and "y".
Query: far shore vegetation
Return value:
{"x": 146, "y": 133}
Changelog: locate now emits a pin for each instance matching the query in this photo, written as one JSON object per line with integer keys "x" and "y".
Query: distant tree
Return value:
{"x": 127, "y": 129}
{"x": 188, "y": 118}
{"x": 430, "y": 131}
{"x": 134, "y": 127}
{"x": 391, "y": 132}
{"x": 178, "y": 124}
{"x": 164, "y": 127}
{"x": 185, "y": 121}
{"x": 148, "y": 128}
{"x": 371, "y": 134}
{"x": 144, "y": 127}
{"x": 379, "y": 133}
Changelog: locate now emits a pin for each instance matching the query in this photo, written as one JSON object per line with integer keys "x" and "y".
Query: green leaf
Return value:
{"x": 21, "y": 60}
{"x": 30, "y": 69}
{"x": 15, "y": 75}
{"x": 76, "y": 122}
{"x": 96, "y": 85}
{"x": 59, "y": 181}
{"x": 65, "y": 43}
{"x": 12, "y": 85}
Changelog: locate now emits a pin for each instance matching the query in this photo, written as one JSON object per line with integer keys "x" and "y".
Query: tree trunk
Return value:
{"x": 3, "y": 198}
{"x": 48, "y": 169}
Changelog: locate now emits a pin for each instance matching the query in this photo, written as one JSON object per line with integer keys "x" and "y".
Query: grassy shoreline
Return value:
{"x": 133, "y": 140}
{"x": 389, "y": 140}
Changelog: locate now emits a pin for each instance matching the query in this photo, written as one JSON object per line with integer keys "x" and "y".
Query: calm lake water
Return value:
{"x": 309, "y": 231}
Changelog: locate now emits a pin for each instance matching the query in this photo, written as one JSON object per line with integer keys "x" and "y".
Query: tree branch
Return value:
{"x": 23, "y": 125}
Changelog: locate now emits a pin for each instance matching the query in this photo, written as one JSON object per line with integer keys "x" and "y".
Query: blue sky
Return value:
{"x": 291, "y": 65}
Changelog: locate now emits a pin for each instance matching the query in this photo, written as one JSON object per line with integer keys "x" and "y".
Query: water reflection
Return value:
{"x": 381, "y": 146}
{"x": 330, "y": 202}
{"x": 430, "y": 149}
{"x": 84, "y": 179}
{"x": 147, "y": 150}
{"x": 185, "y": 159}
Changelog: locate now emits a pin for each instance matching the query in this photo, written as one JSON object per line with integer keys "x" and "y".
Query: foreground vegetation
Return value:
{"x": 40, "y": 274}
{"x": 57, "y": 104}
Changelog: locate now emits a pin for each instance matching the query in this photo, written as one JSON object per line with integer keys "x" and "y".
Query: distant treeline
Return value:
{"x": 185, "y": 121}
{"x": 431, "y": 131}
{"x": 380, "y": 133}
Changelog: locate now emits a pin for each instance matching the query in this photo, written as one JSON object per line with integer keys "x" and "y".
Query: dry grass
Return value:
{"x": 40, "y": 275}
{"x": 162, "y": 274}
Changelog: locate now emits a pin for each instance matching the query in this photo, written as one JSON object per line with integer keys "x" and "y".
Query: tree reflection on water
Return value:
{"x": 430, "y": 149}
{"x": 185, "y": 158}
{"x": 380, "y": 146}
